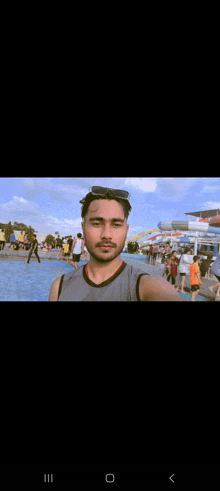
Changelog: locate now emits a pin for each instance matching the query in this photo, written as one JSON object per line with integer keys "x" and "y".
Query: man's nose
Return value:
{"x": 106, "y": 232}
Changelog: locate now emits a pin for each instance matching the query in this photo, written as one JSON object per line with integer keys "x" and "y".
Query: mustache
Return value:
{"x": 111, "y": 244}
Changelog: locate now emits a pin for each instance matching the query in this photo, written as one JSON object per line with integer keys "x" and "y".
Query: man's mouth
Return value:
{"x": 106, "y": 246}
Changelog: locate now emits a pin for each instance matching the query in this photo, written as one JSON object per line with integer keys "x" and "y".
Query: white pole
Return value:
{"x": 196, "y": 240}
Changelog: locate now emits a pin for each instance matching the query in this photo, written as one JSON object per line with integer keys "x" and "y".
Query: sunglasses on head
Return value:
{"x": 100, "y": 191}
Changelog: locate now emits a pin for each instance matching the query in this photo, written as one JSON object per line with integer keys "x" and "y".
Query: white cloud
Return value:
{"x": 210, "y": 189}
{"x": 74, "y": 223}
{"x": 211, "y": 205}
{"x": 145, "y": 184}
{"x": 28, "y": 182}
{"x": 19, "y": 204}
{"x": 65, "y": 226}
{"x": 56, "y": 189}
{"x": 174, "y": 188}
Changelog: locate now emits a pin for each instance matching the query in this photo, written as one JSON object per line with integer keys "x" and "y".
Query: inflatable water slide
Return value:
{"x": 211, "y": 227}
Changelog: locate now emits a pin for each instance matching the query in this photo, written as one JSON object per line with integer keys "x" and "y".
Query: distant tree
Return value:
{"x": 49, "y": 239}
{"x": 8, "y": 231}
{"x": 21, "y": 226}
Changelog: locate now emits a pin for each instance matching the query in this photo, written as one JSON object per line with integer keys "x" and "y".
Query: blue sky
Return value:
{"x": 52, "y": 204}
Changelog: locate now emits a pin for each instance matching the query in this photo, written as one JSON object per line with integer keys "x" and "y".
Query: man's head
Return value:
{"x": 174, "y": 253}
{"x": 105, "y": 225}
{"x": 196, "y": 259}
{"x": 187, "y": 251}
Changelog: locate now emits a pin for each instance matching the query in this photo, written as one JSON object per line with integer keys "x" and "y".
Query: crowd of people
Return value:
{"x": 174, "y": 265}
{"x": 132, "y": 247}
{"x": 71, "y": 248}
{"x": 157, "y": 251}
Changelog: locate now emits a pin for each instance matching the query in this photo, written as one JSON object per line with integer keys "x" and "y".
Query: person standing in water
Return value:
{"x": 34, "y": 247}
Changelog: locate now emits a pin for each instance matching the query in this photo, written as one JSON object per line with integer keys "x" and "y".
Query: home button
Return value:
{"x": 109, "y": 478}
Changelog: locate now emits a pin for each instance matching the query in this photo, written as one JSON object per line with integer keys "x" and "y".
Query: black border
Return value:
{"x": 156, "y": 476}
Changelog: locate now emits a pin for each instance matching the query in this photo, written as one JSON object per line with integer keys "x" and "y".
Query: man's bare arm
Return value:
{"x": 155, "y": 288}
{"x": 53, "y": 295}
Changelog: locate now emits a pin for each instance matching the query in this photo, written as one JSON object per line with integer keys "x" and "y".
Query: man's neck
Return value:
{"x": 101, "y": 271}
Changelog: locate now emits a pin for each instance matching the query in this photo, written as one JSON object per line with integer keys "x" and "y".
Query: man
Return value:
{"x": 70, "y": 242}
{"x": 167, "y": 248}
{"x": 205, "y": 267}
{"x": 215, "y": 269}
{"x": 106, "y": 277}
{"x": 16, "y": 245}
{"x": 155, "y": 251}
{"x": 151, "y": 254}
{"x": 66, "y": 249}
{"x": 59, "y": 243}
{"x": 173, "y": 268}
{"x": 167, "y": 266}
{"x": 195, "y": 277}
{"x": 183, "y": 269}
{"x": 25, "y": 241}
{"x": 77, "y": 249}
{"x": 12, "y": 241}
{"x": 21, "y": 240}
{"x": 2, "y": 239}
{"x": 34, "y": 247}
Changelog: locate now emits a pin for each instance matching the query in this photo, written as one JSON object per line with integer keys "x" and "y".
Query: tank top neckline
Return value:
{"x": 106, "y": 282}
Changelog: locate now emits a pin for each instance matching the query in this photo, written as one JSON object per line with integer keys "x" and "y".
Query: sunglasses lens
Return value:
{"x": 99, "y": 190}
{"x": 120, "y": 193}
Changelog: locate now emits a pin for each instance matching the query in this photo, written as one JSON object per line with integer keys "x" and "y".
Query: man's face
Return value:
{"x": 105, "y": 230}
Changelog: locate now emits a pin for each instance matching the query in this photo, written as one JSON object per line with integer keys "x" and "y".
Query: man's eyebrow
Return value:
{"x": 101, "y": 219}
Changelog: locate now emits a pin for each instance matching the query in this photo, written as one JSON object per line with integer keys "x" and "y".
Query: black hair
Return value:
{"x": 79, "y": 235}
{"x": 109, "y": 195}
{"x": 187, "y": 249}
{"x": 195, "y": 258}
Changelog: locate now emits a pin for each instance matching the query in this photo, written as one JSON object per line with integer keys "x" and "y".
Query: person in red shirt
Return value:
{"x": 173, "y": 268}
{"x": 151, "y": 254}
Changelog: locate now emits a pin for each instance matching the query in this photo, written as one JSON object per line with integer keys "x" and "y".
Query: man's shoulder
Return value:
{"x": 156, "y": 288}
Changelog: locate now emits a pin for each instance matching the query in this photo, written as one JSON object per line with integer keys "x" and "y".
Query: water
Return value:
{"x": 21, "y": 282}
{"x": 135, "y": 257}
{"x": 198, "y": 298}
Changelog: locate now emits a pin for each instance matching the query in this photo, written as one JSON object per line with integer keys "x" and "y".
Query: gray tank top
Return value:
{"x": 215, "y": 268}
{"x": 122, "y": 286}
